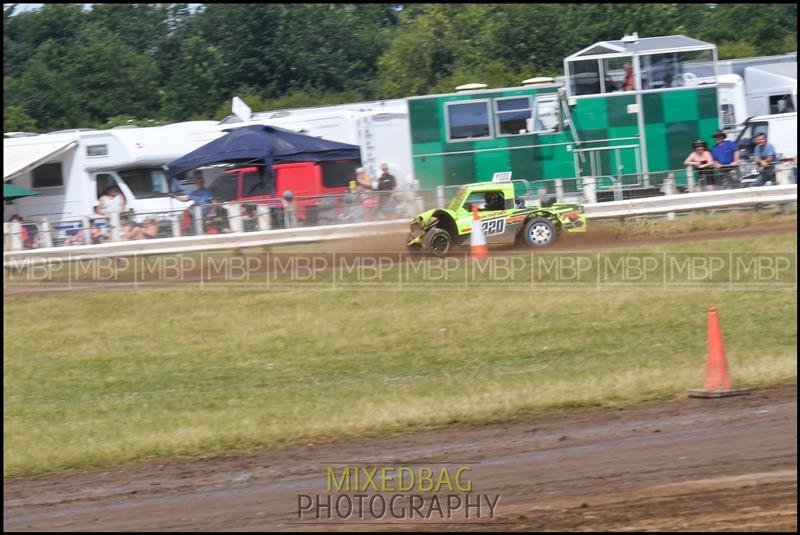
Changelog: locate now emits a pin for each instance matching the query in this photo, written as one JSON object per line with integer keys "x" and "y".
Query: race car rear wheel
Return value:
{"x": 438, "y": 241}
{"x": 539, "y": 232}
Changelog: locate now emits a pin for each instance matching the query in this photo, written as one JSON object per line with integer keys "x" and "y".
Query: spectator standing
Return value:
{"x": 703, "y": 162}
{"x": 765, "y": 156}
{"x": 201, "y": 196}
{"x": 111, "y": 201}
{"x": 365, "y": 186}
{"x": 386, "y": 186}
{"x": 726, "y": 153}
{"x": 363, "y": 179}
{"x": 29, "y": 240}
{"x": 629, "y": 84}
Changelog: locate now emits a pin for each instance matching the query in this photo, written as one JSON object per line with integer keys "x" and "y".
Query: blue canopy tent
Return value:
{"x": 264, "y": 145}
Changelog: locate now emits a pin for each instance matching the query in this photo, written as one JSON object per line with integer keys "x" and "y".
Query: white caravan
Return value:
{"x": 381, "y": 129}
{"x": 71, "y": 169}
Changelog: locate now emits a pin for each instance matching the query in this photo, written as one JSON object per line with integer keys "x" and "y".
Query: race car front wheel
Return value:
{"x": 438, "y": 241}
{"x": 539, "y": 232}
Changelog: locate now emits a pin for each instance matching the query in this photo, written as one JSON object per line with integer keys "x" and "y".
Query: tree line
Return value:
{"x": 71, "y": 66}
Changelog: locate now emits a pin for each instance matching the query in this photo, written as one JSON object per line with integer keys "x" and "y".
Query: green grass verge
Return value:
{"x": 699, "y": 222}
{"x": 109, "y": 377}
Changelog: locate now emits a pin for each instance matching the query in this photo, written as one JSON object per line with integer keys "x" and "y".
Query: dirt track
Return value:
{"x": 688, "y": 464}
{"x": 371, "y": 247}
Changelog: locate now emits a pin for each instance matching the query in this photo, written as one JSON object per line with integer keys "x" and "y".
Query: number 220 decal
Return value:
{"x": 493, "y": 226}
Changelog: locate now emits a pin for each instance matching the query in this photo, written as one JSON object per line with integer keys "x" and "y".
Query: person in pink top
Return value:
{"x": 703, "y": 162}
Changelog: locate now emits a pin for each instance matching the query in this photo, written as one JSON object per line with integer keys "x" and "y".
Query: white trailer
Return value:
{"x": 70, "y": 170}
{"x": 771, "y": 89}
{"x": 381, "y": 129}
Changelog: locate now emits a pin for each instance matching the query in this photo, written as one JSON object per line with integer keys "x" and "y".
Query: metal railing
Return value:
{"x": 339, "y": 209}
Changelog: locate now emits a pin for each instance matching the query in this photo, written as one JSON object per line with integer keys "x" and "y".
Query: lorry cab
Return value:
{"x": 308, "y": 183}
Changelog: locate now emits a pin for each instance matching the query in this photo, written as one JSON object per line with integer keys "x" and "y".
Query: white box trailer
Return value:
{"x": 71, "y": 169}
{"x": 771, "y": 89}
{"x": 381, "y": 129}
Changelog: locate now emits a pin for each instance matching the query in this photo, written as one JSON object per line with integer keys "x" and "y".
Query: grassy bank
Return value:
{"x": 108, "y": 377}
{"x": 687, "y": 223}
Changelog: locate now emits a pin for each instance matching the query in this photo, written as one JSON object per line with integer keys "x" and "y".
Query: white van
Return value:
{"x": 781, "y": 131}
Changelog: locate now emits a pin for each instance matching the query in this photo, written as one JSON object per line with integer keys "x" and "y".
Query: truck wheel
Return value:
{"x": 438, "y": 241}
{"x": 539, "y": 232}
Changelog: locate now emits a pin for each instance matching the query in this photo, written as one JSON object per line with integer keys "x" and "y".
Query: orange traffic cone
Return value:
{"x": 478, "y": 249}
{"x": 718, "y": 383}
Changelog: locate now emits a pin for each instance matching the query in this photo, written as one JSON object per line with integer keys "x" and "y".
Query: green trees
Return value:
{"x": 66, "y": 66}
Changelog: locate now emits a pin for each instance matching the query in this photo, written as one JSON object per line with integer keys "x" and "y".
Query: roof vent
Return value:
{"x": 538, "y": 80}
{"x": 470, "y": 87}
{"x": 630, "y": 38}
{"x": 280, "y": 114}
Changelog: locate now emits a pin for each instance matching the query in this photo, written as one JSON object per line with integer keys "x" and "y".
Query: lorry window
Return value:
{"x": 727, "y": 115}
{"x": 254, "y": 184}
{"x": 146, "y": 183}
{"x": 584, "y": 77}
{"x": 225, "y": 186}
{"x": 468, "y": 120}
{"x": 614, "y": 73}
{"x": 677, "y": 69}
{"x": 513, "y": 115}
{"x": 48, "y": 175}
{"x": 781, "y": 104}
{"x": 546, "y": 114}
{"x": 104, "y": 180}
{"x": 338, "y": 174}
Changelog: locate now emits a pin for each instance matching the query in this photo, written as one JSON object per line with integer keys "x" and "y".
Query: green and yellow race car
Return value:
{"x": 504, "y": 218}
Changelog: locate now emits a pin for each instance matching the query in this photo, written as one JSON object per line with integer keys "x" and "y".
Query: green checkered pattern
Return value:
{"x": 673, "y": 119}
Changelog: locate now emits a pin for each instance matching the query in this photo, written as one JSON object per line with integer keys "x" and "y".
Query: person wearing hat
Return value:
{"x": 703, "y": 161}
{"x": 725, "y": 151}
{"x": 726, "y": 154}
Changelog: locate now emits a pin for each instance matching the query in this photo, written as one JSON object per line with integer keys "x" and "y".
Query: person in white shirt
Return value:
{"x": 112, "y": 201}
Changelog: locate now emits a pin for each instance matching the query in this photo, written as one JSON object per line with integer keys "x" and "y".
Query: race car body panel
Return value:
{"x": 502, "y": 215}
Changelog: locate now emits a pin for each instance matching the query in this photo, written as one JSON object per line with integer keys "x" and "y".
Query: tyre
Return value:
{"x": 438, "y": 241}
{"x": 539, "y": 232}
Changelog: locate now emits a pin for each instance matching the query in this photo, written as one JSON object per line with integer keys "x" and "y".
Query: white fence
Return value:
{"x": 705, "y": 200}
{"x": 767, "y": 195}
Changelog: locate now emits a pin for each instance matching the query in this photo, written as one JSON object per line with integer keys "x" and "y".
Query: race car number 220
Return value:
{"x": 493, "y": 226}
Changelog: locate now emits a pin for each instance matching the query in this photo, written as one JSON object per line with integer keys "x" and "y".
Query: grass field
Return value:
{"x": 108, "y": 377}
